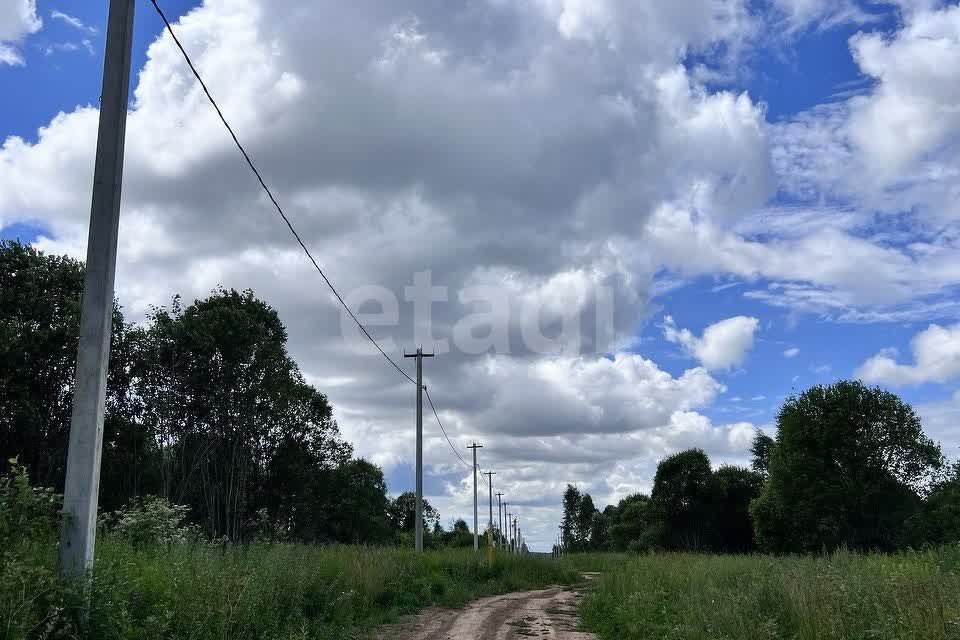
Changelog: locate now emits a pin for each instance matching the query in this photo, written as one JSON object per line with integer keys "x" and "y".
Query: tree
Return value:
{"x": 39, "y": 336}
{"x": 938, "y": 520}
{"x": 599, "y": 532}
{"x": 760, "y": 451}
{"x": 846, "y": 470}
{"x": 680, "y": 500}
{"x": 732, "y": 490}
{"x": 204, "y": 408}
{"x": 584, "y": 523}
{"x": 402, "y": 509}
{"x": 358, "y": 504}
{"x": 571, "y": 510}
{"x": 459, "y": 536}
{"x": 628, "y": 522}
{"x": 238, "y": 428}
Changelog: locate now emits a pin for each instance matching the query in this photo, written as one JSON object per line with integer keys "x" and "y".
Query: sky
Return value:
{"x": 625, "y": 228}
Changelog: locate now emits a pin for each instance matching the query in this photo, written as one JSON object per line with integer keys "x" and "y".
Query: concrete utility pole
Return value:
{"x": 476, "y": 523}
{"x": 82, "y": 487}
{"x": 418, "y": 527}
{"x": 504, "y": 531}
{"x": 490, "y": 475}
{"x": 499, "y": 517}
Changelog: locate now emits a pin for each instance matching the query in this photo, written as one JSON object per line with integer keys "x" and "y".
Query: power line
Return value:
{"x": 286, "y": 220}
{"x": 269, "y": 193}
{"x": 450, "y": 442}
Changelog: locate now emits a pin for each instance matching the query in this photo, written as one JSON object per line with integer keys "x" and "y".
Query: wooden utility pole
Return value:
{"x": 82, "y": 486}
{"x": 418, "y": 527}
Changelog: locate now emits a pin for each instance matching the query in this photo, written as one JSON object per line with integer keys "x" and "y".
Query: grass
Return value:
{"x": 276, "y": 592}
{"x": 908, "y": 596}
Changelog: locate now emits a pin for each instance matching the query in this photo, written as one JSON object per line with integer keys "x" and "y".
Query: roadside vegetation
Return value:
{"x": 685, "y": 596}
{"x": 159, "y": 578}
{"x": 845, "y": 526}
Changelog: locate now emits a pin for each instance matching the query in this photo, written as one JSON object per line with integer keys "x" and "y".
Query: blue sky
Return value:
{"x": 789, "y": 161}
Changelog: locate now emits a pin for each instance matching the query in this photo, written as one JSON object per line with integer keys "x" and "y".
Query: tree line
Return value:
{"x": 849, "y": 467}
{"x": 205, "y": 408}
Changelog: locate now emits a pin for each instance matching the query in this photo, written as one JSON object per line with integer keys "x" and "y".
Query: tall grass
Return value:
{"x": 273, "y": 592}
{"x": 908, "y": 596}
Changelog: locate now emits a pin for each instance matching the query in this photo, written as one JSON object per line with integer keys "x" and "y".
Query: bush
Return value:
{"x": 32, "y": 600}
{"x": 151, "y": 520}
{"x": 27, "y": 514}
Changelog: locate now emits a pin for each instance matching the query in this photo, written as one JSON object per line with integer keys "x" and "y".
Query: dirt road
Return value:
{"x": 548, "y": 613}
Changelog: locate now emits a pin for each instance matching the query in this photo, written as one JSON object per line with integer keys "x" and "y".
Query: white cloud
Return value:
{"x": 18, "y": 19}
{"x": 586, "y": 395}
{"x": 723, "y": 345}
{"x": 792, "y": 352}
{"x": 936, "y": 355}
{"x": 941, "y": 422}
{"x": 72, "y": 21}
{"x": 913, "y": 109}
{"x": 800, "y": 14}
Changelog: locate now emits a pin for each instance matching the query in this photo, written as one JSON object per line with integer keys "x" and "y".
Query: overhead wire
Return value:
{"x": 269, "y": 193}
{"x": 289, "y": 224}
{"x": 444, "y": 431}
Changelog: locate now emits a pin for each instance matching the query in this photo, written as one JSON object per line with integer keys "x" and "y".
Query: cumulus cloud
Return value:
{"x": 623, "y": 394}
{"x": 723, "y": 345}
{"x": 18, "y": 19}
{"x": 792, "y": 352}
{"x": 936, "y": 358}
{"x": 913, "y": 109}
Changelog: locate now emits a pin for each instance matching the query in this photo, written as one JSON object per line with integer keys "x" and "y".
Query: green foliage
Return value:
{"x": 681, "y": 499}
{"x": 39, "y": 329}
{"x": 629, "y": 522}
{"x": 236, "y": 428}
{"x": 32, "y": 600}
{"x": 845, "y": 471}
{"x": 577, "y": 524}
{"x": 151, "y": 520}
{"x": 402, "y": 511}
{"x": 459, "y": 536}
{"x": 760, "y": 450}
{"x": 28, "y": 515}
{"x": 731, "y": 491}
{"x": 691, "y": 508}
{"x": 161, "y": 592}
{"x": 937, "y": 522}
{"x": 908, "y": 596}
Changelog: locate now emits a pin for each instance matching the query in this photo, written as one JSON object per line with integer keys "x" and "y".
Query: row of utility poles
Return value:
{"x": 513, "y": 538}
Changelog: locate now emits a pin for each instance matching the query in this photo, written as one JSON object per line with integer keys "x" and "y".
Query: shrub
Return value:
{"x": 27, "y": 514}
{"x": 151, "y": 520}
{"x": 31, "y": 597}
